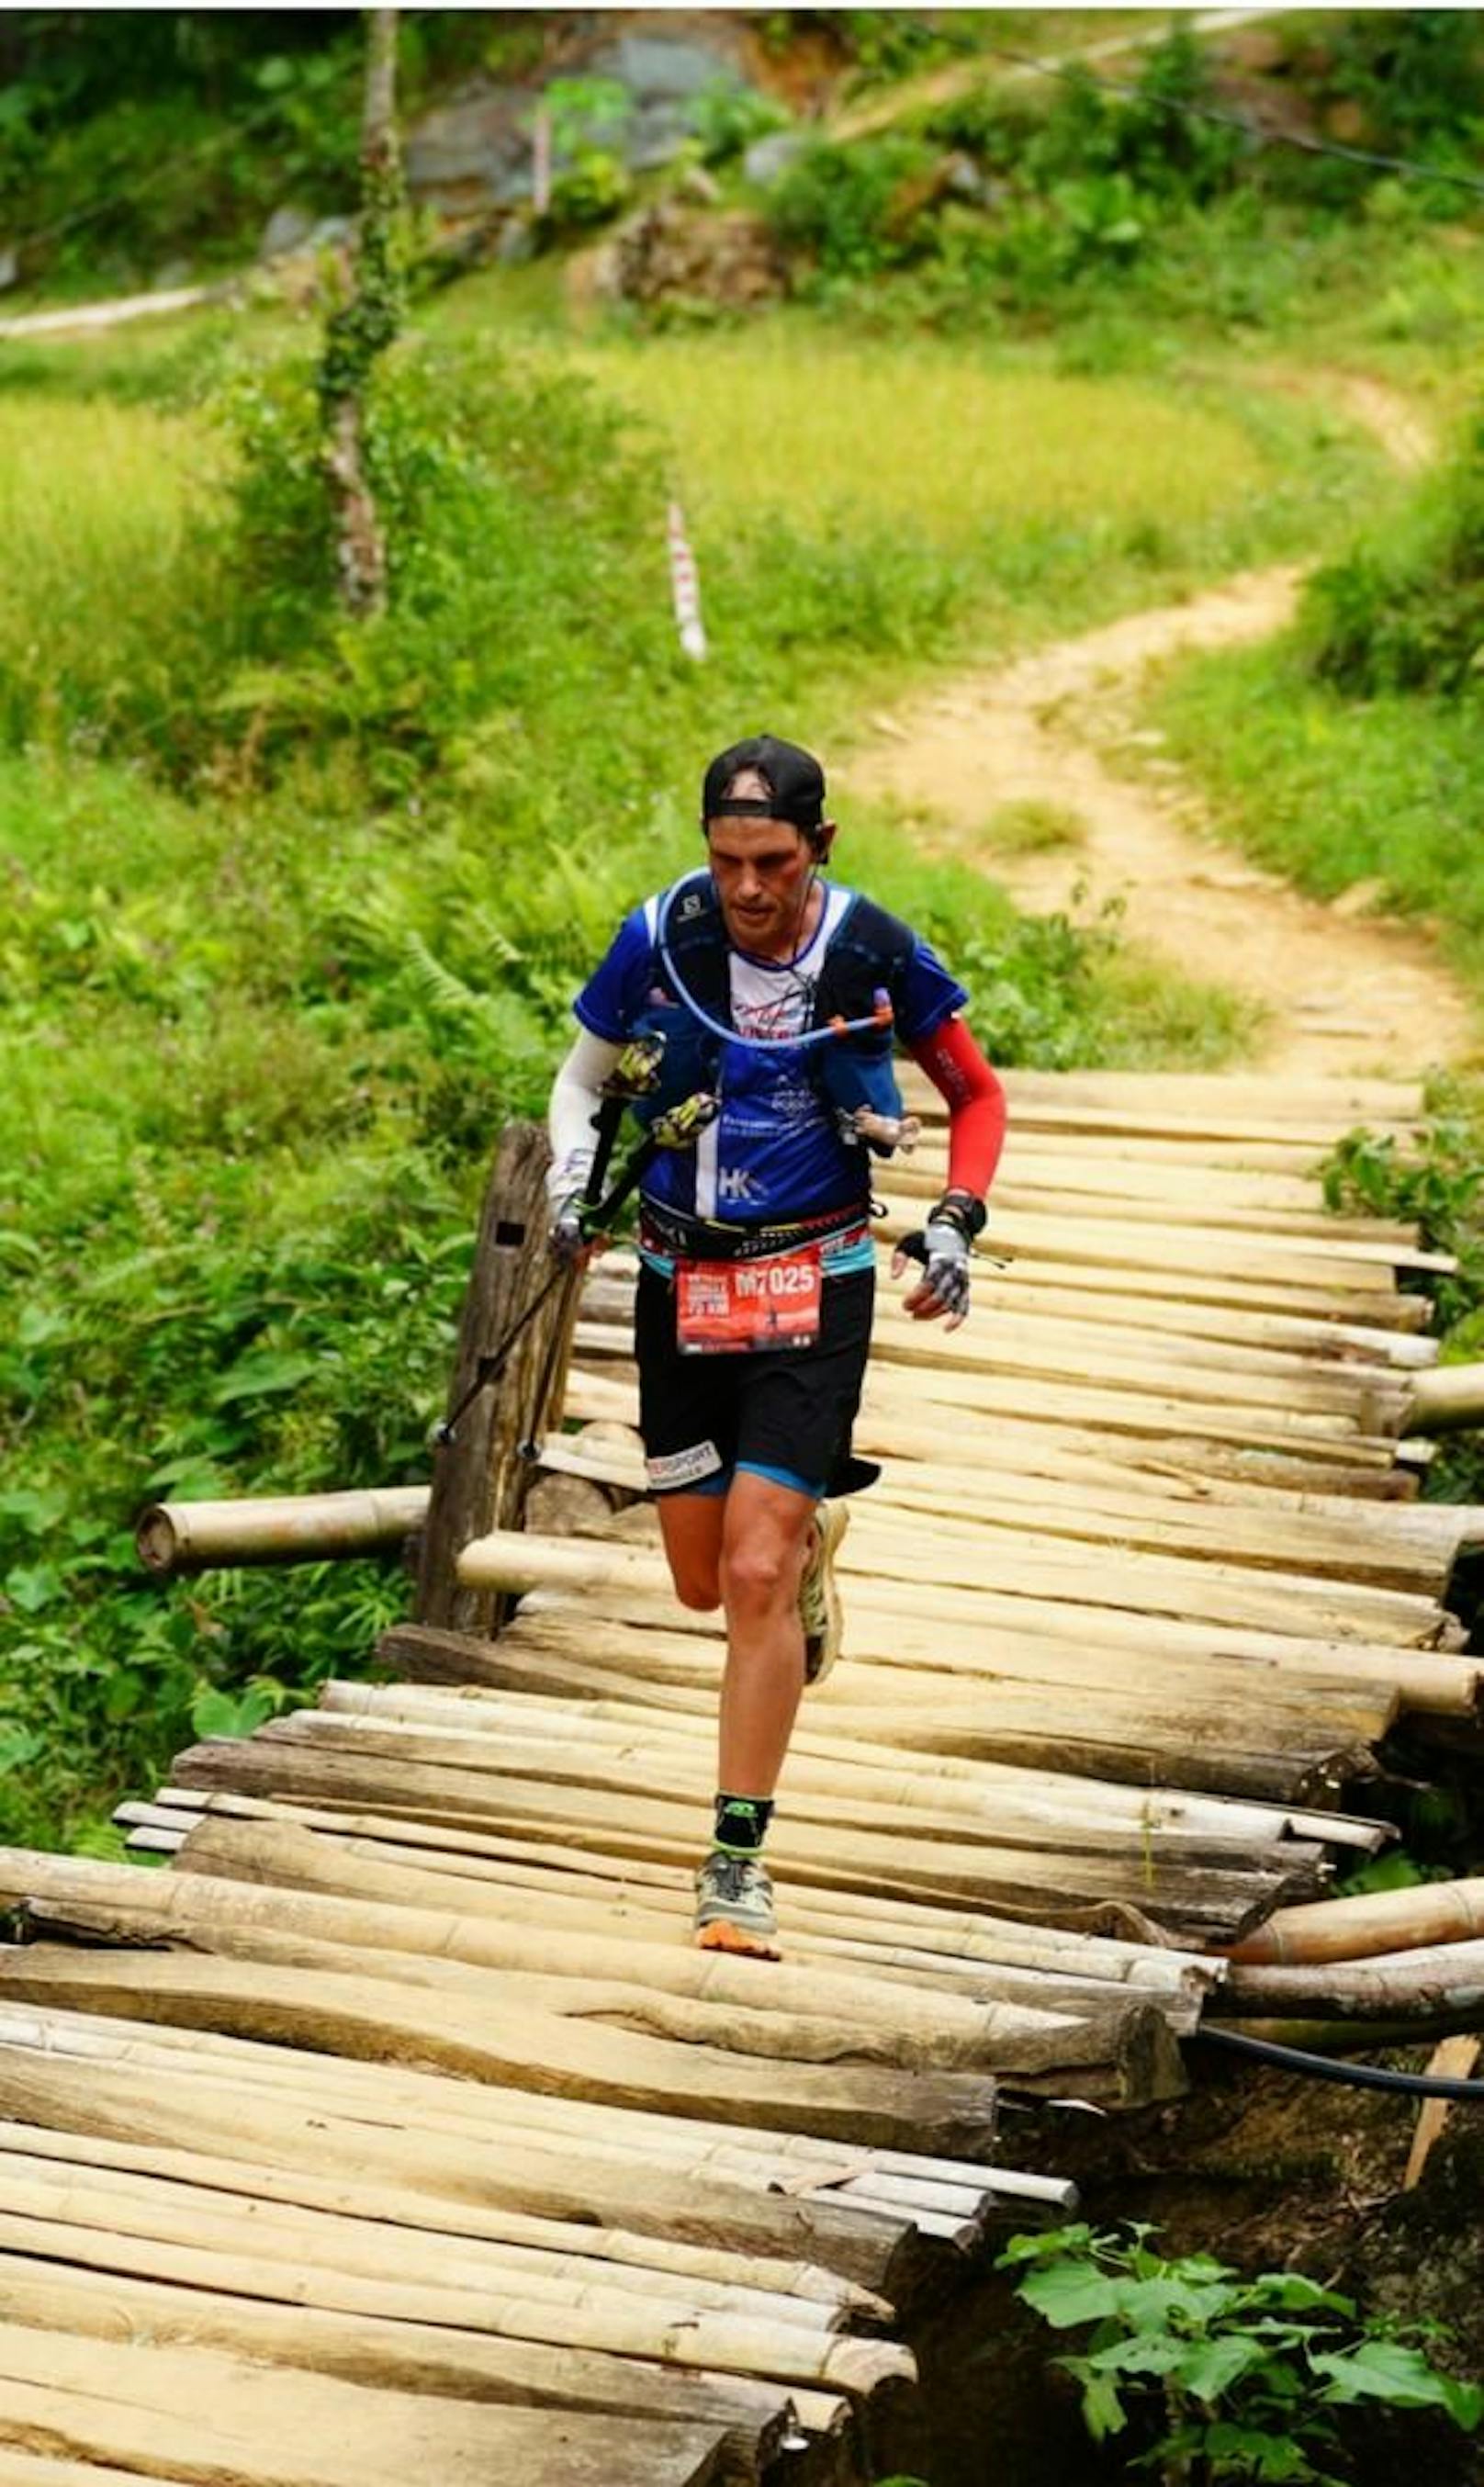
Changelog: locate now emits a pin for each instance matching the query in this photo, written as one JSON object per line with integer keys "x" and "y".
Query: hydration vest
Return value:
{"x": 867, "y": 955}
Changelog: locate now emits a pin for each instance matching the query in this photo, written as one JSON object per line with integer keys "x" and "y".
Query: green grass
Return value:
{"x": 1332, "y": 791}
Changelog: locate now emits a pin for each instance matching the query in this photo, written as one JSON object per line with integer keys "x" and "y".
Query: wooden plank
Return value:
{"x": 404, "y": 2358}
{"x": 205, "y": 2417}
{"x": 47, "y": 2078}
{"x": 357, "y": 2015}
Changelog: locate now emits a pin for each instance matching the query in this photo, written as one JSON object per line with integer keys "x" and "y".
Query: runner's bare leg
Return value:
{"x": 746, "y": 1550}
{"x": 765, "y": 1540}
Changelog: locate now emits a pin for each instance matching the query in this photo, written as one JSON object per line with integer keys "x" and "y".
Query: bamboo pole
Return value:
{"x": 200, "y": 2415}
{"x": 405, "y": 2357}
{"x": 389, "y": 2212}
{"x": 1369, "y": 1923}
{"x": 175, "y": 1537}
{"x": 1443, "y": 1980}
{"x": 1445, "y": 1398}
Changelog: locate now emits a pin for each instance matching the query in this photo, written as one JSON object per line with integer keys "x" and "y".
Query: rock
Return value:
{"x": 329, "y": 231}
{"x": 698, "y": 187}
{"x": 768, "y": 159}
{"x": 668, "y": 68}
{"x": 287, "y": 228}
{"x": 10, "y": 268}
{"x": 668, "y": 252}
{"x": 475, "y": 151}
{"x": 472, "y": 153}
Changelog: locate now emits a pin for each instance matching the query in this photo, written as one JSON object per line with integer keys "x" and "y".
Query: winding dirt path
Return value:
{"x": 1345, "y": 991}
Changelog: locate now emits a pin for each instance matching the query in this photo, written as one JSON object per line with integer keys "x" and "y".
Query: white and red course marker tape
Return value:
{"x": 685, "y": 585}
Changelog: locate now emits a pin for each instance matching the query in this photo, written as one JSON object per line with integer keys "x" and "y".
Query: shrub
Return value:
{"x": 1408, "y": 614}
{"x": 856, "y": 209}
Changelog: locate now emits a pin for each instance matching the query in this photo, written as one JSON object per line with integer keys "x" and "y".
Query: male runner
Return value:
{"x": 777, "y": 993}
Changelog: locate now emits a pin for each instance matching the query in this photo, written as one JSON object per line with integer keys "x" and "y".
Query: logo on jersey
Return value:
{"x": 734, "y": 1183}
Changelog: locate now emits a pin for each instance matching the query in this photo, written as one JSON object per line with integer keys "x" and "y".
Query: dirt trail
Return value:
{"x": 1346, "y": 991}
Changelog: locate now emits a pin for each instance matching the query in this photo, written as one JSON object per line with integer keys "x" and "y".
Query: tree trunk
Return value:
{"x": 360, "y": 331}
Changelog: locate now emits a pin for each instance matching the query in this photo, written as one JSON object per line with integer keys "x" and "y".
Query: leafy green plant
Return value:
{"x": 1221, "y": 2378}
{"x": 726, "y": 119}
{"x": 1439, "y": 1182}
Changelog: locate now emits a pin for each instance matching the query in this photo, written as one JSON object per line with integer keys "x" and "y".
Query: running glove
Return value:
{"x": 943, "y": 1246}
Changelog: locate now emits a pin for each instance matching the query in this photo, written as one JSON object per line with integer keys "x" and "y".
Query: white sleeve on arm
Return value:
{"x": 577, "y": 1093}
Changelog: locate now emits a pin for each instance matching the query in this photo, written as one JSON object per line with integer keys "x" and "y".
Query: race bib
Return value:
{"x": 747, "y": 1308}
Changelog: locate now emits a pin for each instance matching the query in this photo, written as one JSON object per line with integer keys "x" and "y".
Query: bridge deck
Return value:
{"x": 396, "y": 2123}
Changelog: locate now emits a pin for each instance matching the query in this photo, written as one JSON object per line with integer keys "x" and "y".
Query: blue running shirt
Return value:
{"x": 774, "y": 1152}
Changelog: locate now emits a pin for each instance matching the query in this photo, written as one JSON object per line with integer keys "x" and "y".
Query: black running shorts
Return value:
{"x": 785, "y": 1414}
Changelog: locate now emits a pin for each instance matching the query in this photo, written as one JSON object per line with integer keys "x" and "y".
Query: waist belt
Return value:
{"x": 704, "y": 1239}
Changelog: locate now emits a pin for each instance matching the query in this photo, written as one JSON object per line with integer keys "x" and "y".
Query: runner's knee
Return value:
{"x": 759, "y": 1570}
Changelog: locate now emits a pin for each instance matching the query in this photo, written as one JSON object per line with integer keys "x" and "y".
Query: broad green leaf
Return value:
{"x": 1070, "y": 2293}
{"x": 1388, "y": 2371}
{"x": 215, "y": 1714}
{"x": 1148, "y": 2353}
{"x": 1210, "y": 2367}
{"x": 33, "y": 1586}
{"x": 258, "y": 1376}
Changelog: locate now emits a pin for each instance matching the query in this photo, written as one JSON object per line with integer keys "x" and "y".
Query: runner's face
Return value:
{"x": 761, "y": 870}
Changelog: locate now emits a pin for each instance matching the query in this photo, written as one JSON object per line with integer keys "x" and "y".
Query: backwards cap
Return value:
{"x": 794, "y": 778}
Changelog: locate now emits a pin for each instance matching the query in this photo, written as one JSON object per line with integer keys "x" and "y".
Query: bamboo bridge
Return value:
{"x": 379, "y": 2121}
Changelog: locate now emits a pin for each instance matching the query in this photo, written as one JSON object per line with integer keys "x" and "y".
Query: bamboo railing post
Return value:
{"x": 479, "y": 1480}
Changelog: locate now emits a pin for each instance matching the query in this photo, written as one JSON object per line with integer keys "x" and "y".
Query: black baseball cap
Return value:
{"x": 794, "y": 778}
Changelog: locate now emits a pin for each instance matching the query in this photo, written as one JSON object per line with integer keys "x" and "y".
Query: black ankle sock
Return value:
{"x": 741, "y": 1822}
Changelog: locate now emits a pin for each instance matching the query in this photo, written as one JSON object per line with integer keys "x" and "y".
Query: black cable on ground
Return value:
{"x": 1333, "y": 2068}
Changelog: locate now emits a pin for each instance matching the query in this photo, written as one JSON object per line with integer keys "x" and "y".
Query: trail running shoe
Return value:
{"x": 734, "y": 1905}
{"x": 819, "y": 1600}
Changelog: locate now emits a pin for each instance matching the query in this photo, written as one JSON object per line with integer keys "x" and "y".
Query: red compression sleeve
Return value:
{"x": 975, "y": 1100}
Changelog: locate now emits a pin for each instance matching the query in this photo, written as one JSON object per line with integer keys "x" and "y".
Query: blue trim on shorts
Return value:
{"x": 782, "y": 1476}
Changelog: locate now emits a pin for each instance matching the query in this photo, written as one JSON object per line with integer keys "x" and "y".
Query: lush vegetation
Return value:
{"x": 1214, "y": 2377}
{"x": 296, "y": 907}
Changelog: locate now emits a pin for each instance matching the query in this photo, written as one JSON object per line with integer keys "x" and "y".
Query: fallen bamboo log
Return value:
{"x": 1368, "y": 1923}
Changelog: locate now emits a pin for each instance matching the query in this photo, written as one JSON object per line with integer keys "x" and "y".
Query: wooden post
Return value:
{"x": 479, "y": 1480}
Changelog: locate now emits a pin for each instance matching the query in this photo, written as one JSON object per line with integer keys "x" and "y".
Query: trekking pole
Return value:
{"x": 636, "y": 1073}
